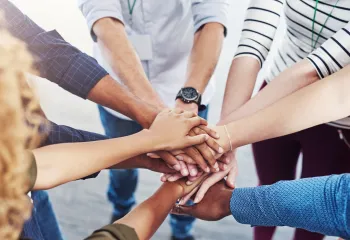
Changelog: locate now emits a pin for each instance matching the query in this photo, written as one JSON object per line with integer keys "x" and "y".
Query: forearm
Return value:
{"x": 321, "y": 102}
{"x": 204, "y": 55}
{"x": 62, "y": 163}
{"x": 289, "y": 81}
{"x": 121, "y": 56}
{"x": 149, "y": 215}
{"x": 240, "y": 84}
{"x": 111, "y": 94}
{"x": 315, "y": 204}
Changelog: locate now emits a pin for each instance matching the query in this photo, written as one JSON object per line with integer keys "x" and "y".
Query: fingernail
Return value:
{"x": 148, "y": 154}
{"x": 171, "y": 179}
{"x": 196, "y": 200}
{"x": 221, "y": 150}
{"x": 180, "y": 158}
{"x": 224, "y": 166}
{"x": 216, "y": 165}
{"x": 184, "y": 172}
{"x": 207, "y": 170}
{"x": 193, "y": 172}
{"x": 217, "y": 135}
{"x": 188, "y": 183}
{"x": 177, "y": 167}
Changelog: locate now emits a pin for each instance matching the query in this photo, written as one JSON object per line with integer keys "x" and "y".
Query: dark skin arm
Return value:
{"x": 214, "y": 206}
{"x": 149, "y": 215}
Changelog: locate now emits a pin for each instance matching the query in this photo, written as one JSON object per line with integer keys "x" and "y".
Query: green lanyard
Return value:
{"x": 313, "y": 44}
{"x": 131, "y": 8}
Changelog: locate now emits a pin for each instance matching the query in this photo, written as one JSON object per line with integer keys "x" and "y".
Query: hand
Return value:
{"x": 170, "y": 129}
{"x": 231, "y": 172}
{"x": 214, "y": 206}
{"x": 191, "y": 107}
{"x": 142, "y": 161}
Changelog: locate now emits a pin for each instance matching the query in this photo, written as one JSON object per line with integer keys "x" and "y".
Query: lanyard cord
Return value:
{"x": 313, "y": 44}
{"x": 131, "y": 8}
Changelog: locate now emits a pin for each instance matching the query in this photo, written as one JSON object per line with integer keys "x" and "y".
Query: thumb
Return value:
{"x": 183, "y": 210}
{"x": 231, "y": 177}
{"x": 196, "y": 140}
{"x": 153, "y": 155}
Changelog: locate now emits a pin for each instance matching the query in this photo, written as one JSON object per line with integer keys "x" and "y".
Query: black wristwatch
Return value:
{"x": 191, "y": 95}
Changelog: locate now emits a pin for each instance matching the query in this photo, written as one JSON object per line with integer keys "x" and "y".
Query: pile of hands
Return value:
{"x": 194, "y": 152}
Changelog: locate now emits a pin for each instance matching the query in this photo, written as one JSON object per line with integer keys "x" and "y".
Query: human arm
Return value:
{"x": 146, "y": 218}
{"x": 106, "y": 25}
{"x": 315, "y": 204}
{"x": 327, "y": 59}
{"x": 76, "y": 72}
{"x": 320, "y": 102}
{"x": 62, "y": 163}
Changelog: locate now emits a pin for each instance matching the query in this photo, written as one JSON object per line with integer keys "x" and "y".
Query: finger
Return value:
{"x": 186, "y": 198}
{"x": 231, "y": 177}
{"x": 158, "y": 165}
{"x": 197, "y": 157}
{"x": 192, "y": 169}
{"x": 189, "y": 114}
{"x": 153, "y": 155}
{"x": 222, "y": 166}
{"x": 209, "y": 131}
{"x": 178, "y": 110}
{"x": 170, "y": 159}
{"x": 210, "y": 142}
{"x": 224, "y": 159}
{"x": 184, "y": 170}
{"x": 182, "y": 210}
{"x": 185, "y": 158}
{"x": 214, "y": 178}
{"x": 196, "y": 140}
{"x": 177, "y": 152}
{"x": 175, "y": 177}
{"x": 203, "y": 148}
{"x": 196, "y": 121}
{"x": 164, "y": 177}
{"x": 191, "y": 179}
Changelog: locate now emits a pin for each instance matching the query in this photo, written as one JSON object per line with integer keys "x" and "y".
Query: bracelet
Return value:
{"x": 229, "y": 137}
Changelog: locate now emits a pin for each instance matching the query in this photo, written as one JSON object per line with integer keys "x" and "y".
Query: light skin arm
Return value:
{"x": 294, "y": 78}
{"x": 61, "y": 163}
{"x": 203, "y": 60}
{"x": 321, "y": 102}
{"x": 111, "y": 94}
{"x": 122, "y": 57}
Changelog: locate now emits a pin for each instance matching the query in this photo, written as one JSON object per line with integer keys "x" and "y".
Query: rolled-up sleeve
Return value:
{"x": 55, "y": 59}
{"x": 94, "y": 10}
{"x": 206, "y": 11}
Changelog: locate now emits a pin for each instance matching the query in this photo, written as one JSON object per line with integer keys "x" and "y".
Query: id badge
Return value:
{"x": 142, "y": 45}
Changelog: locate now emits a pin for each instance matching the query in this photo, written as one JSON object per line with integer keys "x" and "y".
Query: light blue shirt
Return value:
{"x": 320, "y": 204}
{"x": 171, "y": 24}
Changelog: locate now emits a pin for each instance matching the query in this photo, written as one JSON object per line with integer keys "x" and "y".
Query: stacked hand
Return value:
{"x": 212, "y": 155}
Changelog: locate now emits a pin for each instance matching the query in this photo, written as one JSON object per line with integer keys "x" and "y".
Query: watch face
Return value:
{"x": 189, "y": 93}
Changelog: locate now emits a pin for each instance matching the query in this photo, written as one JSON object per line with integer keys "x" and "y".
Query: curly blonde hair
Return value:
{"x": 20, "y": 118}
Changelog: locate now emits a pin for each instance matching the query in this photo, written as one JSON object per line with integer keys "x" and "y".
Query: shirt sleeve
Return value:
{"x": 57, "y": 134}
{"x": 55, "y": 59}
{"x": 332, "y": 55}
{"x": 94, "y": 10}
{"x": 316, "y": 204}
{"x": 259, "y": 29}
{"x": 114, "y": 232}
{"x": 206, "y": 11}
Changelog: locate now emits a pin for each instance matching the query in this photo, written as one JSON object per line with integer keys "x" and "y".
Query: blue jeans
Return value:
{"x": 123, "y": 183}
{"x": 43, "y": 223}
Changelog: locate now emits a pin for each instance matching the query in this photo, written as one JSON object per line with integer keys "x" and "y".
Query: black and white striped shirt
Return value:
{"x": 332, "y": 50}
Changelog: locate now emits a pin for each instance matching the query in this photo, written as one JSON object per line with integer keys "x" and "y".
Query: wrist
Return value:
{"x": 192, "y": 107}
{"x": 225, "y": 202}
